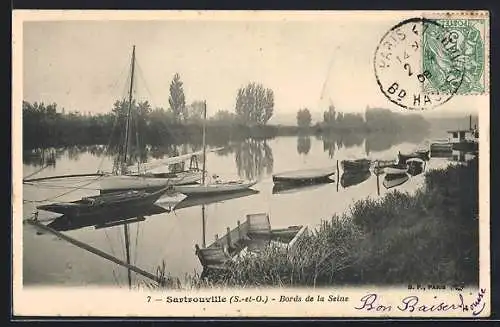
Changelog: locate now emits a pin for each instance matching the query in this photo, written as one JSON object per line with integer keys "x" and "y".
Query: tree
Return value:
{"x": 224, "y": 117}
{"x": 329, "y": 116}
{"x": 303, "y": 118}
{"x": 177, "y": 99}
{"x": 195, "y": 111}
{"x": 254, "y": 104}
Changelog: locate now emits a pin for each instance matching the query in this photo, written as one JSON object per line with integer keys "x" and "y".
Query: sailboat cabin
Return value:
{"x": 465, "y": 135}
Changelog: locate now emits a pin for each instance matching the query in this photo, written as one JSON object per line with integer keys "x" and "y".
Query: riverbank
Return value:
{"x": 431, "y": 236}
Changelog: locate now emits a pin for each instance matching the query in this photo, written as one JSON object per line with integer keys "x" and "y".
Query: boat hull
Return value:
{"x": 356, "y": 165}
{"x": 211, "y": 189}
{"x": 465, "y": 146}
{"x": 423, "y": 155}
{"x": 391, "y": 181}
{"x": 111, "y": 203}
{"x": 396, "y": 170}
{"x": 130, "y": 182}
{"x": 441, "y": 147}
{"x": 301, "y": 177}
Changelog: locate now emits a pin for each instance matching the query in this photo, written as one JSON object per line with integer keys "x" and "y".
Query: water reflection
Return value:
{"x": 249, "y": 153}
{"x": 253, "y": 158}
{"x": 354, "y": 178}
{"x": 68, "y": 223}
{"x": 206, "y": 200}
{"x": 286, "y": 188}
{"x": 41, "y": 157}
{"x": 376, "y": 142}
{"x": 303, "y": 144}
{"x": 125, "y": 218}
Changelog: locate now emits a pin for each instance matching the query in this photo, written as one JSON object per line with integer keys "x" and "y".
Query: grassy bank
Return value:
{"x": 429, "y": 237}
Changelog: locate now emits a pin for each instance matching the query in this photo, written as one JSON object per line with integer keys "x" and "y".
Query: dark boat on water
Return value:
{"x": 415, "y": 167}
{"x": 391, "y": 181}
{"x": 67, "y": 223}
{"x": 106, "y": 203}
{"x": 356, "y": 165}
{"x": 419, "y": 154}
{"x": 286, "y": 188}
{"x": 354, "y": 178}
{"x": 305, "y": 176}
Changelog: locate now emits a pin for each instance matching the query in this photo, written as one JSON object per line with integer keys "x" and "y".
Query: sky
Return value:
{"x": 82, "y": 65}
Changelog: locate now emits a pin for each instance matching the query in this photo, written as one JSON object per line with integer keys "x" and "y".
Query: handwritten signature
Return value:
{"x": 372, "y": 302}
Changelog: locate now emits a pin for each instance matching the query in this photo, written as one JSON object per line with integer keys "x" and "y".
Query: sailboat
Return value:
{"x": 106, "y": 203}
{"x": 150, "y": 180}
{"x": 216, "y": 187}
{"x": 123, "y": 179}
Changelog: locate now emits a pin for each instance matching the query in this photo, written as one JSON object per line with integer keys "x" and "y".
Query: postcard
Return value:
{"x": 251, "y": 163}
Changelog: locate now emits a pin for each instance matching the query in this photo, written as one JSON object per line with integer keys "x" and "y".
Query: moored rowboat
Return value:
{"x": 420, "y": 154}
{"x": 396, "y": 169}
{"x": 251, "y": 236}
{"x": 391, "y": 181}
{"x": 305, "y": 176}
{"x": 356, "y": 165}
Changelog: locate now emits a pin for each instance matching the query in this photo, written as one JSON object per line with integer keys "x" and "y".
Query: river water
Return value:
{"x": 171, "y": 235}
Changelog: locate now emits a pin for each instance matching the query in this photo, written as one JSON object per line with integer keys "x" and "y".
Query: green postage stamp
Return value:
{"x": 454, "y": 55}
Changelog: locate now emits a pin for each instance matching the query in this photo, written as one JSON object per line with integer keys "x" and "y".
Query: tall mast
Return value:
{"x": 204, "y": 142}
{"x": 127, "y": 128}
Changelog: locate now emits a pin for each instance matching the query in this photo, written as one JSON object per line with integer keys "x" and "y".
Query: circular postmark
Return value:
{"x": 412, "y": 58}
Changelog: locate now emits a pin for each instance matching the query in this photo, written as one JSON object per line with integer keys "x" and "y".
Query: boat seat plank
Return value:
{"x": 258, "y": 224}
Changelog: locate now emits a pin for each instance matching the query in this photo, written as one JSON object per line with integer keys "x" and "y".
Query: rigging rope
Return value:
{"x": 60, "y": 186}
{"x": 36, "y": 172}
{"x": 65, "y": 193}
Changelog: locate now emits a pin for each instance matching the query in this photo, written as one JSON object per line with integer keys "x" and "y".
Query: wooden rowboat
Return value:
{"x": 254, "y": 235}
{"x": 356, "y": 165}
{"x": 391, "y": 181}
{"x": 396, "y": 169}
{"x": 419, "y": 154}
{"x": 305, "y": 176}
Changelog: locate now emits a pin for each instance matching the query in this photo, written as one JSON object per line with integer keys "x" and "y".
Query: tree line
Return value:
{"x": 47, "y": 125}
{"x": 374, "y": 120}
